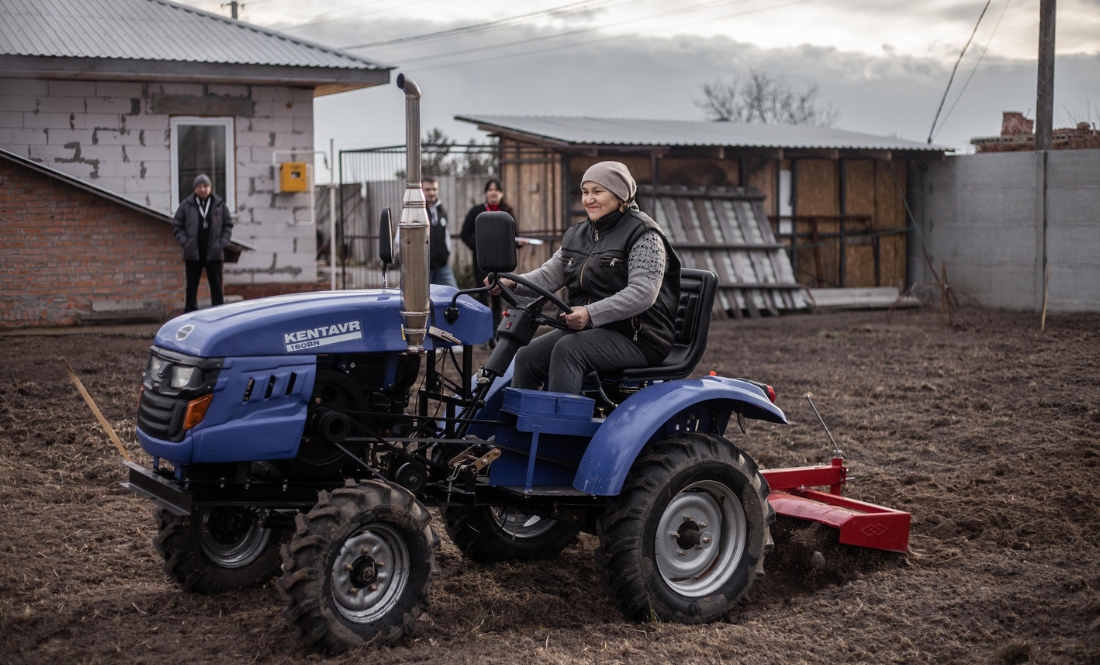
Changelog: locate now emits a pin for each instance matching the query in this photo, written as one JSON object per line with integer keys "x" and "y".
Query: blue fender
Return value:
{"x": 654, "y": 412}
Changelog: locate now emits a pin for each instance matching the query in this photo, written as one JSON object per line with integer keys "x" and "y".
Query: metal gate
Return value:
{"x": 374, "y": 178}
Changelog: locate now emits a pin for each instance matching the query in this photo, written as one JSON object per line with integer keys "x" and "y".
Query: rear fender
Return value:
{"x": 660, "y": 411}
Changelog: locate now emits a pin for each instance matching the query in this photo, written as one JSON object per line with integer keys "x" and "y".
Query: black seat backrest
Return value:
{"x": 697, "y": 290}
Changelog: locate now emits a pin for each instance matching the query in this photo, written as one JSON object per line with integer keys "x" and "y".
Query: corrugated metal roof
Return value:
{"x": 655, "y": 133}
{"x": 728, "y": 233}
{"x": 153, "y": 30}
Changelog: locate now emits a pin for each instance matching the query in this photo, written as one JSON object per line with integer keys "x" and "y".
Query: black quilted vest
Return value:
{"x": 595, "y": 256}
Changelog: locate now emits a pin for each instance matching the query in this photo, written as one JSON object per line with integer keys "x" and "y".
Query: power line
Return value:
{"x": 307, "y": 24}
{"x": 579, "y": 31}
{"x": 955, "y": 69}
{"x": 973, "y": 71}
{"x": 611, "y": 38}
{"x": 561, "y": 9}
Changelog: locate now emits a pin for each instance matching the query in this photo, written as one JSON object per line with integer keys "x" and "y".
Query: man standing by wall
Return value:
{"x": 440, "y": 237}
{"x": 203, "y": 228}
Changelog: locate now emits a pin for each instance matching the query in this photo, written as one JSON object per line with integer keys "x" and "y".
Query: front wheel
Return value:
{"x": 220, "y": 548}
{"x": 686, "y": 538}
{"x": 359, "y": 567}
{"x": 492, "y": 534}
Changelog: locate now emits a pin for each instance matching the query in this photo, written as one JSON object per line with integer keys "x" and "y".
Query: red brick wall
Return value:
{"x": 62, "y": 248}
{"x": 1014, "y": 122}
{"x": 253, "y": 291}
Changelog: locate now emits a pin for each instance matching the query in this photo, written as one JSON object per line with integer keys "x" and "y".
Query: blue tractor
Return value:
{"x": 290, "y": 438}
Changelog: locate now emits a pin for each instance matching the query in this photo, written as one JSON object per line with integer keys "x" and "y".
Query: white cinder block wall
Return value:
{"x": 115, "y": 135}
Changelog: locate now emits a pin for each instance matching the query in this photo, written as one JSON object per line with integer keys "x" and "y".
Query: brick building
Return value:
{"x": 72, "y": 252}
{"x": 1018, "y": 134}
{"x": 135, "y": 97}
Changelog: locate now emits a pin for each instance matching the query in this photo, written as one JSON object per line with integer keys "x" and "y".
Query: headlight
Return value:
{"x": 156, "y": 366}
{"x": 181, "y": 376}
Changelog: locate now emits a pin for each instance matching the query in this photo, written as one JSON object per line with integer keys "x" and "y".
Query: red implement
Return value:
{"x": 861, "y": 524}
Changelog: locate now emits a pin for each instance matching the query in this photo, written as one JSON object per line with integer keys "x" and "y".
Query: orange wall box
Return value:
{"x": 292, "y": 177}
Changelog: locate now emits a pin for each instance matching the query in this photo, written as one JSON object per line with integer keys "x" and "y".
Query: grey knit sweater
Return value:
{"x": 645, "y": 270}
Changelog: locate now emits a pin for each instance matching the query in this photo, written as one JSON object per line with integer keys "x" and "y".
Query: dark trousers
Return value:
{"x": 561, "y": 359}
{"x": 213, "y": 277}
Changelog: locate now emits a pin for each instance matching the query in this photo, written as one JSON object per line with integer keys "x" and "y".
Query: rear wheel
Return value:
{"x": 686, "y": 538}
{"x": 221, "y": 548}
{"x": 493, "y": 534}
{"x": 360, "y": 566}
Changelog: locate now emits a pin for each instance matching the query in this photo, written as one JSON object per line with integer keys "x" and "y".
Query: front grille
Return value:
{"x": 160, "y": 416}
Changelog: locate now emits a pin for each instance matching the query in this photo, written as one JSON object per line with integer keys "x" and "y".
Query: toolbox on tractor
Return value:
{"x": 303, "y": 438}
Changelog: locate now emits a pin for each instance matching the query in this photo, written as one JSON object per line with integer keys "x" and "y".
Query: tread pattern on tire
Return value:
{"x": 306, "y": 558}
{"x": 184, "y": 562}
{"x": 621, "y": 528}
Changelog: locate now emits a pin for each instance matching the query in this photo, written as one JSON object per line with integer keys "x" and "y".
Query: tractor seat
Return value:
{"x": 697, "y": 289}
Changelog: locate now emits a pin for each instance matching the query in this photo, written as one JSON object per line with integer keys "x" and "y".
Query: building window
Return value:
{"x": 202, "y": 145}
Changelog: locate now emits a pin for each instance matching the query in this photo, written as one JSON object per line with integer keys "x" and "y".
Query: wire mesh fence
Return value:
{"x": 374, "y": 178}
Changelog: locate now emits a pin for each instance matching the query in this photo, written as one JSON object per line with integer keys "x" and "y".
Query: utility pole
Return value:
{"x": 1044, "y": 106}
{"x": 233, "y": 6}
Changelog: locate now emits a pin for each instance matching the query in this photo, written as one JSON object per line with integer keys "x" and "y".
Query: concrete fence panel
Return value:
{"x": 998, "y": 220}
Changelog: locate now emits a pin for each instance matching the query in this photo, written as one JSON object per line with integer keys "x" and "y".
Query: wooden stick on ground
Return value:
{"x": 943, "y": 290}
{"x": 96, "y": 411}
{"x": 1046, "y": 295}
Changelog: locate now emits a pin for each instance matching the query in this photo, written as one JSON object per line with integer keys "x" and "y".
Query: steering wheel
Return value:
{"x": 535, "y": 307}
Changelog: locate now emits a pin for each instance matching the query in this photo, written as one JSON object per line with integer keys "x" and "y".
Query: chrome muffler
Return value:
{"x": 415, "y": 239}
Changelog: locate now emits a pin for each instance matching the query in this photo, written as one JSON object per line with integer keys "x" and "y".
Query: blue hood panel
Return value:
{"x": 366, "y": 321}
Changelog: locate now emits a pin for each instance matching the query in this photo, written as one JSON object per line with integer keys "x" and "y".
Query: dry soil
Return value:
{"x": 985, "y": 429}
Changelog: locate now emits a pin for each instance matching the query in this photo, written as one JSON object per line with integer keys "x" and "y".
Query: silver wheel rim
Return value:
{"x": 520, "y": 525}
{"x": 370, "y": 574}
{"x": 700, "y": 539}
{"x": 232, "y": 537}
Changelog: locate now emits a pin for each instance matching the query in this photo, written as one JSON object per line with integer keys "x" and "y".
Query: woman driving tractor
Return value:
{"x": 623, "y": 282}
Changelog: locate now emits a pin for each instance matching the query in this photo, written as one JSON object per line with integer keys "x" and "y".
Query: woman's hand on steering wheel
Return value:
{"x": 496, "y": 287}
{"x": 578, "y": 319}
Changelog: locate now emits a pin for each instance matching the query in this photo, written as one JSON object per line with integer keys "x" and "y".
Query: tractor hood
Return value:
{"x": 366, "y": 321}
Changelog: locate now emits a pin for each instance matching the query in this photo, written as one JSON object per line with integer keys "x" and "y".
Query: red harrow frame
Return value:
{"x": 861, "y": 524}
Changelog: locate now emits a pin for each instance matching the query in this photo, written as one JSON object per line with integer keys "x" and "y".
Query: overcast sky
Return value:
{"x": 883, "y": 64}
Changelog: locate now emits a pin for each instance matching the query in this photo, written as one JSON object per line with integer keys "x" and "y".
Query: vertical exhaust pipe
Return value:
{"x": 416, "y": 303}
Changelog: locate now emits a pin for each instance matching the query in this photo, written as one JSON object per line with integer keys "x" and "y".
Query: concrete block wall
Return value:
{"x": 983, "y": 215}
{"x": 116, "y": 135}
{"x": 1073, "y": 230}
{"x": 67, "y": 252}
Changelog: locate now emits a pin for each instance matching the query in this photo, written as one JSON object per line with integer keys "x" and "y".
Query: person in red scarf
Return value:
{"x": 494, "y": 200}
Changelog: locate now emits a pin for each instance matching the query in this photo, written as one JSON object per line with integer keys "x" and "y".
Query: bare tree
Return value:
{"x": 762, "y": 97}
{"x": 436, "y": 147}
{"x": 480, "y": 161}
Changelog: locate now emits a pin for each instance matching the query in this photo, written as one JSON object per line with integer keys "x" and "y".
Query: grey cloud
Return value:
{"x": 647, "y": 77}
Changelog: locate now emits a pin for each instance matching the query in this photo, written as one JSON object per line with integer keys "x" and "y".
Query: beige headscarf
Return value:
{"x": 615, "y": 177}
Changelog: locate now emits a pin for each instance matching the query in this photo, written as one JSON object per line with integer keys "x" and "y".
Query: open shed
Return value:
{"x": 835, "y": 199}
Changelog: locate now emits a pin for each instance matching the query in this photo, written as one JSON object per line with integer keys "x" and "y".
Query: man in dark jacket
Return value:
{"x": 439, "y": 236}
{"x": 203, "y": 228}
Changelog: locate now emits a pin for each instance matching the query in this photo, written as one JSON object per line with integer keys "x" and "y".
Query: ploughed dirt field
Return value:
{"x": 987, "y": 430}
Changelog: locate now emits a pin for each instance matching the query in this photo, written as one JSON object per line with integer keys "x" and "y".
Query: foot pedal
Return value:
{"x": 471, "y": 458}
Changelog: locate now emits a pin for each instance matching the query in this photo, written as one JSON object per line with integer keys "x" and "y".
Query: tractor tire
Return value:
{"x": 686, "y": 537}
{"x": 217, "y": 549}
{"x": 359, "y": 567}
{"x": 493, "y": 535}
